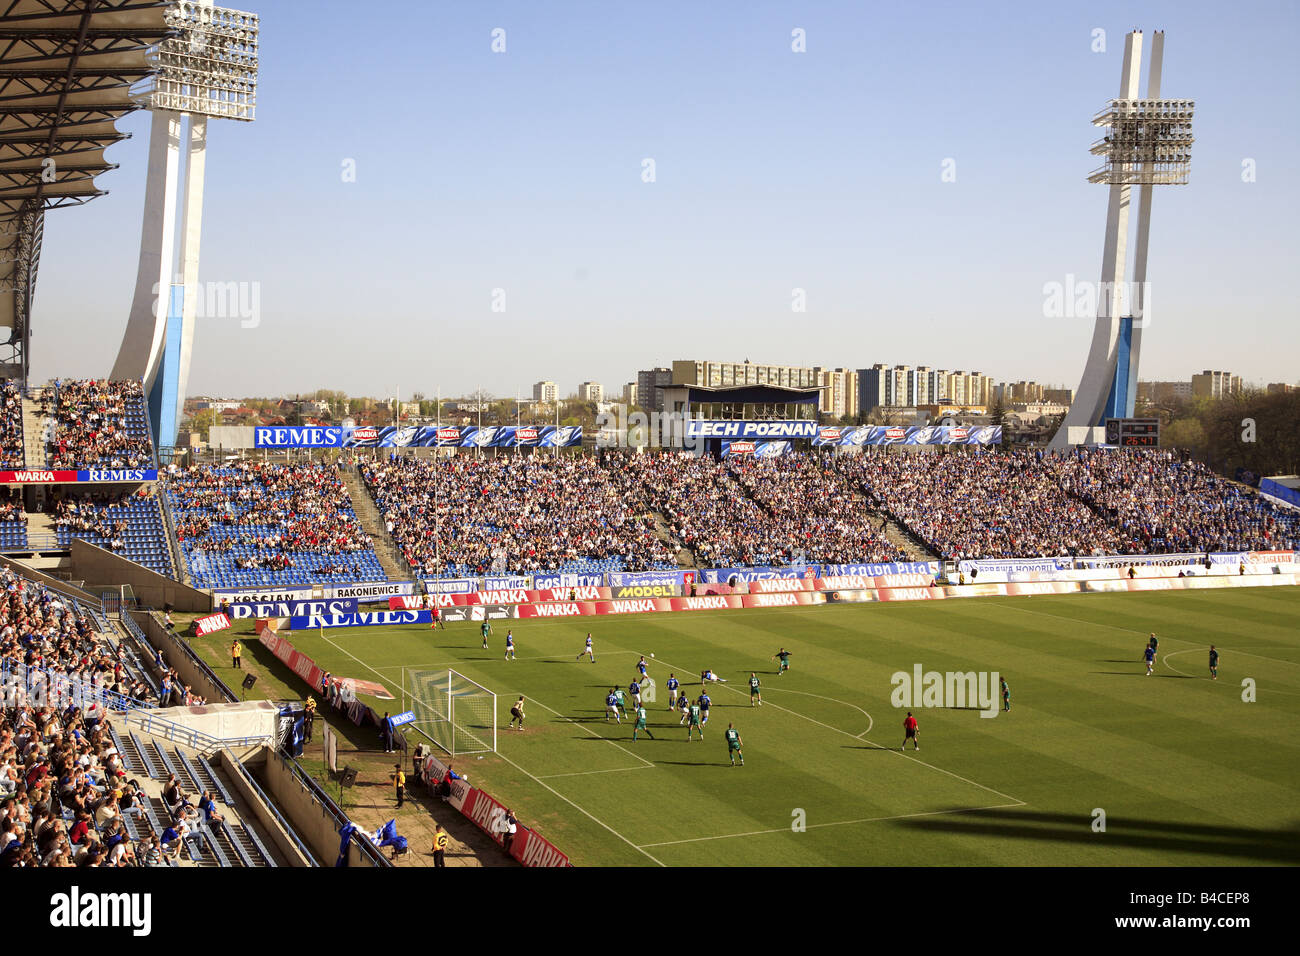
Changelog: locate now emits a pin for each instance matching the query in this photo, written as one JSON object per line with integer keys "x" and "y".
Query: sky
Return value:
{"x": 918, "y": 171}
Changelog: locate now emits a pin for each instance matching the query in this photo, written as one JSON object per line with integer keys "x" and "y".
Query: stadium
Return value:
{"x": 706, "y": 626}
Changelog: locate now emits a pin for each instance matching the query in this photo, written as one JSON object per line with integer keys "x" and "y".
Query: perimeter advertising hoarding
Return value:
{"x": 416, "y": 436}
{"x": 863, "y": 435}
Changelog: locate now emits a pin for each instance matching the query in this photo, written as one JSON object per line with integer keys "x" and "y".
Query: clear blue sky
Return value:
{"x": 775, "y": 170}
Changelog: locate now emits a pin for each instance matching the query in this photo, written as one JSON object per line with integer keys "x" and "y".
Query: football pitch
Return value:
{"x": 1095, "y": 764}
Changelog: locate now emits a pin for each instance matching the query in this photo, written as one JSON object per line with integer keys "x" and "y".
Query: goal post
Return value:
{"x": 458, "y": 714}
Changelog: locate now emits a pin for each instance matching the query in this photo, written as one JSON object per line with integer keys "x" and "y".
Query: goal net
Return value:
{"x": 457, "y": 714}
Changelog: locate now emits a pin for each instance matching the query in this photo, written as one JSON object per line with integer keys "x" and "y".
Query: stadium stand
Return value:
{"x": 12, "y": 455}
{"x": 253, "y": 524}
{"x": 97, "y": 424}
{"x": 518, "y": 514}
{"x": 129, "y": 525}
{"x": 470, "y": 516}
{"x": 13, "y": 521}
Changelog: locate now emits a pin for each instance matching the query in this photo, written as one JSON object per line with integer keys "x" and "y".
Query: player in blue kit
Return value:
{"x": 611, "y": 707}
{"x": 673, "y": 685}
{"x": 634, "y": 692}
{"x": 510, "y": 645}
{"x": 683, "y": 705}
{"x": 588, "y": 651}
{"x": 641, "y": 667}
{"x": 1151, "y": 659}
{"x": 705, "y": 704}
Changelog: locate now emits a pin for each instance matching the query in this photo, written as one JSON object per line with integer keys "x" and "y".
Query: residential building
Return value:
{"x": 547, "y": 392}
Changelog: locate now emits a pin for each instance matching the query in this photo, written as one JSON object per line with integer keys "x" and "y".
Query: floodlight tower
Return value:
{"x": 206, "y": 69}
{"x": 1148, "y": 143}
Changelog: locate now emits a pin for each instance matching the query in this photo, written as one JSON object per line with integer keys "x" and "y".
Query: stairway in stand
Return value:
{"x": 372, "y": 523}
{"x": 34, "y": 424}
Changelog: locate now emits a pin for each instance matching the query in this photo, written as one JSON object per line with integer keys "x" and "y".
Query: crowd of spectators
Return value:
{"x": 1157, "y": 502}
{"x": 62, "y": 785}
{"x": 516, "y": 513}
{"x": 11, "y": 505}
{"x": 90, "y": 425}
{"x": 522, "y": 514}
{"x": 267, "y": 513}
{"x": 12, "y": 455}
{"x": 102, "y": 515}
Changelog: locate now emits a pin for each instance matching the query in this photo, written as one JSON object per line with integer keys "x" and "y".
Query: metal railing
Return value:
{"x": 237, "y": 767}
{"x": 184, "y": 648}
{"x": 52, "y": 688}
{"x": 151, "y": 723}
{"x": 317, "y": 792}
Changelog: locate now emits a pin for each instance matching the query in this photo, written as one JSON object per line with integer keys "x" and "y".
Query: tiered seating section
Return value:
{"x": 13, "y": 520}
{"x": 12, "y": 456}
{"x": 467, "y": 516}
{"x": 255, "y": 524}
{"x": 97, "y": 424}
{"x": 129, "y": 525}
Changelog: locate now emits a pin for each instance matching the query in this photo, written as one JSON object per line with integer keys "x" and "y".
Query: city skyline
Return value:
{"x": 532, "y": 163}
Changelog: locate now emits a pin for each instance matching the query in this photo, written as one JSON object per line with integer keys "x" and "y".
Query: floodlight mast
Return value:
{"x": 206, "y": 70}
{"x": 1148, "y": 143}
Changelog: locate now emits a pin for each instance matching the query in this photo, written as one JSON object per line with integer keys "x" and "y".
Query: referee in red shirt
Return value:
{"x": 909, "y": 733}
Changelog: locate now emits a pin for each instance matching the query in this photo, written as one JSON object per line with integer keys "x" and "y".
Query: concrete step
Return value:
{"x": 372, "y": 523}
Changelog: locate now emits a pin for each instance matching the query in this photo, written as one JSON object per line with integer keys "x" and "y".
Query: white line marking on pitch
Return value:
{"x": 1228, "y": 684}
{"x": 537, "y": 780}
{"x": 839, "y": 823}
{"x": 835, "y": 700}
{"x": 896, "y": 753}
{"x": 1134, "y": 630}
{"x": 585, "y": 773}
{"x": 552, "y": 710}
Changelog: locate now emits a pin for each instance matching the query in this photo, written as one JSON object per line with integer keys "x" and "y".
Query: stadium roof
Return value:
{"x": 67, "y": 69}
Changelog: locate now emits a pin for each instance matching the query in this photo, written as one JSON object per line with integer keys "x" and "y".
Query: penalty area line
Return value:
{"x": 533, "y": 777}
{"x": 838, "y": 823}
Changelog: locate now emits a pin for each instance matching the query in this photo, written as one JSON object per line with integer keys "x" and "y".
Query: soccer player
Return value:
{"x": 1155, "y": 643}
{"x": 588, "y": 651}
{"x": 611, "y": 706}
{"x": 910, "y": 733}
{"x": 641, "y": 667}
{"x": 694, "y": 721}
{"x": 634, "y": 692}
{"x": 684, "y": 705}
{"x": 1006, "y": 695}
{"x": 1214, "y": 663}
{"x": 755, "y": 690}
{"x": 510, "y": 645}
{"x": 705, "y": 704}
{"x": 734, "y": 744}
{"x": 641, "y": 724}
{"x": 673, "y": 684}
{"x": 707, "y": 675}
{"x": 1151, "y": 658}
{"x": 485, "y": 629}
{"x": 622, "y": 704}
{"x": 784, "y": 655}
{"x": 435, "y": 614}
{"x": 517, "y": 713}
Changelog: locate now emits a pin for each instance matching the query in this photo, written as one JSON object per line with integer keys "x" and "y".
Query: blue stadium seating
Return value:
{"x": 144, "y": 540}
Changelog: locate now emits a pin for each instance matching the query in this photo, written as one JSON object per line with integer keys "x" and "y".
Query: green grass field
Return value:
{"x": 1186, "y": 772}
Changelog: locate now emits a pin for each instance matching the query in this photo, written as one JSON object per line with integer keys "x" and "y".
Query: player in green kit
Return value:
{"x": 784, "y": 655}
{"x": 733, "y": 745}
{"x": 485, "y": 629}
{"x": 622, "y": 704}
{"x": 1214, "y": 663}
{"x": 641, "y": 725}
{"x": 693, "y": 720}
{"x": 1006, "y": 695}
{"x": 755, "y": 689}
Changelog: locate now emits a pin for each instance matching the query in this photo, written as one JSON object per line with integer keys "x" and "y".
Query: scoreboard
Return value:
{"x": 1133, "y": 432}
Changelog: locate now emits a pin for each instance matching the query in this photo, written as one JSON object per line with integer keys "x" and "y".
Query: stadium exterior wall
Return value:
{"x": 93, "y": 564}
